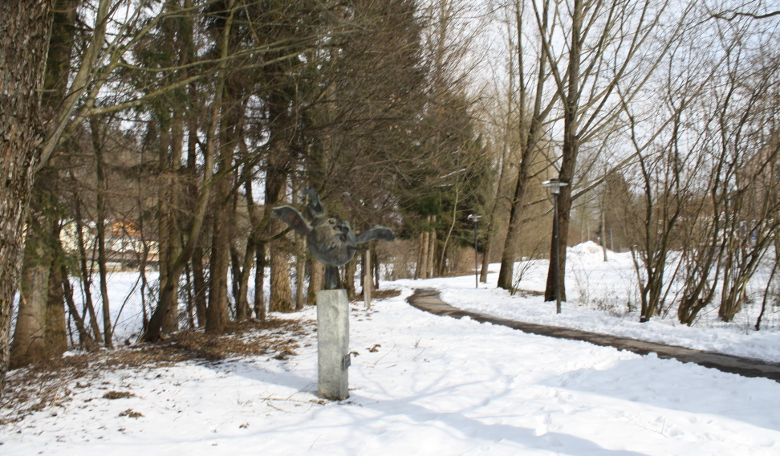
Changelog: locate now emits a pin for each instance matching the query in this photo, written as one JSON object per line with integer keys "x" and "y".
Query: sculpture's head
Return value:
{"x": 331, "y": 240}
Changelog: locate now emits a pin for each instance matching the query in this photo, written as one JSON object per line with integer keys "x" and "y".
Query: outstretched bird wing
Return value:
{"x": 378, "y": 232}
{"x": 292, "y": 217}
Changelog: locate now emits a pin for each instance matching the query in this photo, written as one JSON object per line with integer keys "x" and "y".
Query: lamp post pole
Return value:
{"x": 476, "y": 218}
{"x": 555, "y": 188}
{"x": 557, "y": 258}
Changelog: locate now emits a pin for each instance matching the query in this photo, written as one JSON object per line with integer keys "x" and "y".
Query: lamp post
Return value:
{"x": 555, "y": 188}
{"x": 476, "y": 218}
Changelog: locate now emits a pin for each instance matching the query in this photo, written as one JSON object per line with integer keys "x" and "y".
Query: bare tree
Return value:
{"x": 705, "y": 172}
{"x": 606, "y": 44}
{"x": 534, "y": 106}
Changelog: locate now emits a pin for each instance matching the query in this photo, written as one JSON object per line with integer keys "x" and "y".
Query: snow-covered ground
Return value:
{"x": 599, "y": 293}
{"x": 431, "y": 385}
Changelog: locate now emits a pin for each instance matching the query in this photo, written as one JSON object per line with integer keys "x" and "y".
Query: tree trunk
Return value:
{"x": 170, "y": 155}
{"x": 200, "y": 286}
{"x": 236, "y": 261}
{"x": 86, "y": 276}
{"x": 375, "y": 265}
{"x": 217, "y": 312}
{"x": 569, "y": 151}
{"x": 56, "y": 325}
{"x": 316, "y": 280}
{"x": 167, "y": 296}
{"x": 259, "y": 303}
{"x": 44, "y": 216}
{"x": 442, "y": 262}
{"x": 603, "y": 228}
{"x": 766, "y": 291}
{"x": 300, "y": 277}
{"x": 85, "y": 338}
{"x": 530, "y": 132}
{"x": 512, "y": 242}
{"x": 432, "y": 252}
{"x": 485, "y": 261}
{"x": 349, "y": 278}
{"x": 279, "y": 162}
{"x": 422, "y": 261}
{"x": 281, "y": 291}
{"x": 176, "y": 192}
{"x": 564, "y": 210}
{"x": 25, "y": 29}
{"x": 30, "y": 338}
{"x": 97, "y": 146}
{"x": 29, "y": 344}
{"x": 243, "y": 311}
{"x": 367, "y": 278}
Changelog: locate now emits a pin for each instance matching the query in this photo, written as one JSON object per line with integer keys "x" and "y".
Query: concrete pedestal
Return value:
{"x": 333, "y": 344}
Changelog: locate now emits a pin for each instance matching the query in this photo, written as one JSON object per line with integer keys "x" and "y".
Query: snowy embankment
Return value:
{"x": 420, "y": 385}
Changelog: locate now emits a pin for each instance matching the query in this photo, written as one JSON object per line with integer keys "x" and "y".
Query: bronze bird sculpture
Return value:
{"x": 331, "y": 240}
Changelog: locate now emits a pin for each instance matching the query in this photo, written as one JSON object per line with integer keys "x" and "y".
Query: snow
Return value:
{"x": 607, "y": 288}
{"x": 438, "y": 386}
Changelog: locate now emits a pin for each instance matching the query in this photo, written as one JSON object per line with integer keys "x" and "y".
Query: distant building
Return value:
{"x": 125, "y": 245}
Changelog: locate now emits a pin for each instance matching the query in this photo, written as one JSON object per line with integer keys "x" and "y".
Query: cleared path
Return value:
{"x": 428, "y": 300}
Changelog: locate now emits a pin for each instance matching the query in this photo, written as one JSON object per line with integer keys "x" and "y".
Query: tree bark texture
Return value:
{"x": 217, "y": 312}
{"x": 349, "y": 278}
{"x": 512, "y": 243}
{"x": 279, "y": 163}
{"x": 422, "y": 261}
{"x": 100, "y": 175}
{"x": 43, "y": 250}
{"x": 40, "y": 323}
{"x": 56, "y": 333}
{"x": 29, "y": 343}
{"x": 564, "y": 212}
{"x": 281, "y": 291}
{"x": 316, "y": 280}
{"x": 24, "y": 30}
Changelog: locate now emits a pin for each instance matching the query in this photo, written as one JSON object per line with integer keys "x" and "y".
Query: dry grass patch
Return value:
{"x": 381, "y": 294}
{"x": 48, "y": 384}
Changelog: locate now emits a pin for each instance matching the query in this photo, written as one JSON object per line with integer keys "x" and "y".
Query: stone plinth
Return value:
{"x": 333, "y": 344}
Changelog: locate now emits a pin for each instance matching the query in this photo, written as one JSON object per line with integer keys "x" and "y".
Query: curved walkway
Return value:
{"x": 428, "y": 300}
